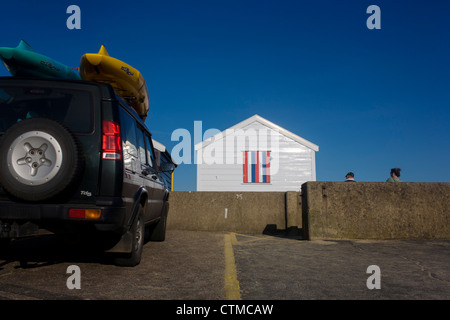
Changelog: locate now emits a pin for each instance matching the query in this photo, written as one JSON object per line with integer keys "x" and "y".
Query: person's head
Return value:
{"x": 349, "y": 175}
{"x": 395, "y": 172}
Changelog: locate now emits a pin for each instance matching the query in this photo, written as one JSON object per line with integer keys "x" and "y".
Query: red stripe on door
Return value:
{"x": 245, "y": 167}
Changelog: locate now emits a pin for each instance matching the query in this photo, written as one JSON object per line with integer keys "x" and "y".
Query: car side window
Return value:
{"x": 150, "y": 156}
{"x": 136, "y": 144}
{"x": 141, "y": 147}
{"x": 145, "y": 148}
{"x": 129, "y": 142}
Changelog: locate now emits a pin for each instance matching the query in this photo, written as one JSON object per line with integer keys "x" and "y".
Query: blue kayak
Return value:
{"x": 23, "y": 61}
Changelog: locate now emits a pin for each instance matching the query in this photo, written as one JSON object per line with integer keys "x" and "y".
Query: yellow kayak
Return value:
{"x": 128, "y": 82}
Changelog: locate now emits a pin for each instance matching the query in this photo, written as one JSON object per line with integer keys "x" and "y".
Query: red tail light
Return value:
{"x": 111, "y": 142}
{"x": 85, "y": 213}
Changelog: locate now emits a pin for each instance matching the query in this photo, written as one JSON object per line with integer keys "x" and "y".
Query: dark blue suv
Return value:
{"x": 74, "y": 158}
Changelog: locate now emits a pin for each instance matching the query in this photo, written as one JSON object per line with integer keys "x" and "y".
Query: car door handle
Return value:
{"x": 145, "y": 172}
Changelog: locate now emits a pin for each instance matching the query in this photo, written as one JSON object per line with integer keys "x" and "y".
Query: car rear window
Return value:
{"x": 69, "y": 106}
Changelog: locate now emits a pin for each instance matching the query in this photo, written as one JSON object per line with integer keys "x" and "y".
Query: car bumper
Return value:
{"x": 112, "y": 218}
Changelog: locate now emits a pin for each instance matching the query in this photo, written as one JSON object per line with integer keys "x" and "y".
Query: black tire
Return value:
{"x": 40, "y": 159}
{"x": 158, "y": 231}
{"x": 138, "y": 231}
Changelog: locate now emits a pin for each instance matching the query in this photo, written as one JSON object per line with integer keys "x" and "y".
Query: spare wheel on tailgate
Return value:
{"x": 40, "y": 159}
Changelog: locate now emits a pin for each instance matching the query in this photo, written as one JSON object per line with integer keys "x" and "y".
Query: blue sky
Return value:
{"x": 370, "y": 99}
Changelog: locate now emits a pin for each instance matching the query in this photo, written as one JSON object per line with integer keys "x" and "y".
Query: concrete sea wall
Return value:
{"x": 322, "y": 210}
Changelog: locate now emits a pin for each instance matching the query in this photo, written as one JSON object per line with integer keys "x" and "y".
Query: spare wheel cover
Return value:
{"x": 34, "y": 158}
{"x": 40, "y": 159}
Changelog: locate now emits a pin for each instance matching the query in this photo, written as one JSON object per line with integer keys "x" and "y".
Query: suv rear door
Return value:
{"x": 151, "y": 179}
{"x": 75, "y": 105}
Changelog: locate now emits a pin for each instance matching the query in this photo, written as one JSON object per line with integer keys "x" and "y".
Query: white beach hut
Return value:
{"x": 255, "y": 155}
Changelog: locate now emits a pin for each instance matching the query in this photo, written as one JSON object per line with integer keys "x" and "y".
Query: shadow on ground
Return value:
{"x": 291, "y": 232}
{"x": 44, "y": 250}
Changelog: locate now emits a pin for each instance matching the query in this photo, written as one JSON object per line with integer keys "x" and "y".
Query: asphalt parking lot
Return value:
{"x": 219, "y": 266}
{"x": 288, "y": 269}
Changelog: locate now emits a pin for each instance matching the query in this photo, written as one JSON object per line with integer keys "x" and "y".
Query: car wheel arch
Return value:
{"x": 140, "y": 201}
